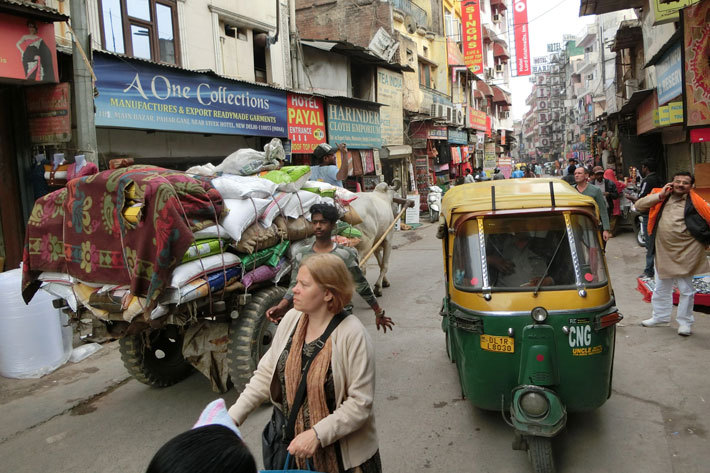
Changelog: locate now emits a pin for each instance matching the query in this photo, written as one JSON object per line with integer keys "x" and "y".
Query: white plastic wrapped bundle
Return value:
{"x": 30, "y": 335}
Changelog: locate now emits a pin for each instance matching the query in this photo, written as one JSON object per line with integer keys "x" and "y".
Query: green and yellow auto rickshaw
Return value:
{"x": 529, "y": 313}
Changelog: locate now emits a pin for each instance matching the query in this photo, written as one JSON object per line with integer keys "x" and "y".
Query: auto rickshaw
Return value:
{"x": 529, "y": 313}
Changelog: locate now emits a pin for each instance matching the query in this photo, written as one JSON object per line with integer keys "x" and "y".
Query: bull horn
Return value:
{"x": 396, "y": 184}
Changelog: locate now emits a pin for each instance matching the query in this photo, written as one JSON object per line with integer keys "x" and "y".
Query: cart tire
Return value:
{"x": 540, "y": 454}
{"x": 155, "y": 357}
{"x": 250, "y": 335}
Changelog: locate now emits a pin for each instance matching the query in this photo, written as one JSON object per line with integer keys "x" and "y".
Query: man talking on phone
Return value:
{"x": 679, "y": 230}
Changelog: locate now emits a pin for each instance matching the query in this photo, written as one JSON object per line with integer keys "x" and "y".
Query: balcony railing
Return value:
{"x": 416, "y": 12}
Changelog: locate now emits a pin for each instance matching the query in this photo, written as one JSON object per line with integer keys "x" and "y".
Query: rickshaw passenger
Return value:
{"x": 515, "y": 263}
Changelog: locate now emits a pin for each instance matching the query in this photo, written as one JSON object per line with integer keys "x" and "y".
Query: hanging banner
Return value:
{"x": 476, "y": 119}
{"x": 306, "y": 123}
{"x": 472, "y": 35}
{"x": 389, "y": 92}
{"x": 27, "y": 49}
{"x": 522, "y": 40}
{"x": 134, "y": 94}
{"x": 667, "y": 12}
{"x": 49, "y": 113}
{"x": 669, "y": 75}
{"x": 696, "y": 43}
{"x": 353, "y": 125}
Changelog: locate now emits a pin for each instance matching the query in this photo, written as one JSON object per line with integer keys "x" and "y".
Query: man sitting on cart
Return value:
{"x": 323, "y": 218}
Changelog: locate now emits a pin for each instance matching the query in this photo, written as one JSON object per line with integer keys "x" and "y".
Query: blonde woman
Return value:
{"x": 335, "y": 426}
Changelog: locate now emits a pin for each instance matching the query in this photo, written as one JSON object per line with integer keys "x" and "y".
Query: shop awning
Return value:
{"x": 500, "y": 50}
{"x": 488, "y": 33}
{"x": 31, "y": 10}
{"x": 597, "y": 7}
{"x": 360, "y": 54}
{"x": 477, "y": 94}
{"x": 500, "y": 96}
{"x": 628, "y": 35}
{"x": 634, "y": 101}
{"x": 395, "y": 151}
{"x": 499, "y": 3}
{"x": 485, "y": 88}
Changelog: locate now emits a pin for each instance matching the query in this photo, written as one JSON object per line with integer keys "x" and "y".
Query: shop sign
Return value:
{"x": 489, "y": 132}
{"x": 522, "y": 40}
{"x": 645, "y": 114}
{"x": 458, "y": 137}
{"x": 306, "y": 123}
{"x": 696, "y": 41}
{"x": 669, "y": 75}
{"x": 454, "y": 56}
{"x": 476, "y": 119}
{"x": 664, "y": 116}
{"x": 489, "y": 155}
{"x": 356, "y": 126}
{"x": 676, "y": 112}
{"x": 437, "y": 133}
{"x": 389, "y": 92}
{"x": 49, "y": 113}
{"x": 472, "y": 35}
{"x": 27, "y": 49}
{"x": 137, "y": 95}
{"x": 667, "y": 12}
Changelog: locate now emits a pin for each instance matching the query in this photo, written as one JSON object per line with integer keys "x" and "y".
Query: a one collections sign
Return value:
{"x": 356, "y": 126}
{"x": 27, "y": 50}
{"x": 306, "y": 123}
{"x": 137, "y": 95}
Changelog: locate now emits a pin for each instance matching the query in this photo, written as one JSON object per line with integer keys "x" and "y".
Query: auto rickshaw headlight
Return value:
{"x": 539, "y": 314}
{"x": 534, "y": 404}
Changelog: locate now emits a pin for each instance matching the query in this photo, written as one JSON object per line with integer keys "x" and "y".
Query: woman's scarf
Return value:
{"x": 620, "y": 186}
{"x": 324, "y": 459}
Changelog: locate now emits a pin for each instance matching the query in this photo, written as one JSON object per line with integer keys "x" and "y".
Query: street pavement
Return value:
{"x": 91, "y": 417}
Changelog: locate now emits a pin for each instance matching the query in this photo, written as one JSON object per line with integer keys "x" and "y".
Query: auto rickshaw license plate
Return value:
{"x": 498, "y": 344}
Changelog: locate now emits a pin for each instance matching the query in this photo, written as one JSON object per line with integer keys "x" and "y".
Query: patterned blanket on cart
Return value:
{"x": 81, "y": 229}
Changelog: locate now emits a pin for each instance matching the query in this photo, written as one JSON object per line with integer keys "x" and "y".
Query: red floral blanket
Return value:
{"x": 80, "y": 230}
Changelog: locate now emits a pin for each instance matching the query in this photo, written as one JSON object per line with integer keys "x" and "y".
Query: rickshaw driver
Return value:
{"x": 517, "y": 264}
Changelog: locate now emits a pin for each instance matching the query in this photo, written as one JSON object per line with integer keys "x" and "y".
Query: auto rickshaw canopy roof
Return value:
{"x": 512, "y": 194}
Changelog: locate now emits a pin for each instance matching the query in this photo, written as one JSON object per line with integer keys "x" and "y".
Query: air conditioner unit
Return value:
{"x": 489, "y": 73}
{"x": 496, "y": 18}
{"x": 437, "y": 111}
{"x": 632, "y": 85}
{"x": 505, "y": 114}
{"x": 448, "y": 114}
{"x": 590, "y": 76}
{"x": 460, "y": 115}
{"x": 499, "y": 67}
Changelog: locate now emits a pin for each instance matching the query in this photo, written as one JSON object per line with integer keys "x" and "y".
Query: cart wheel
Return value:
{"x": 155, "y": 357}
{"x": 540, "y": 454}
{"x": 250, "y": 335}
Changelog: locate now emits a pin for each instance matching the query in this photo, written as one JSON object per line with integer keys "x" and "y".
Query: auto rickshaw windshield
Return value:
{"x": 522, "y": 253}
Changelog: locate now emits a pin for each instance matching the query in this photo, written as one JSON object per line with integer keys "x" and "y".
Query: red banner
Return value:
{"x": 306, "y": 124}
{"x": 477, "y": 119}
{"x": 27, "y": 49}
{"x": 522, "y": 41}
{"x": 472, "y": 35}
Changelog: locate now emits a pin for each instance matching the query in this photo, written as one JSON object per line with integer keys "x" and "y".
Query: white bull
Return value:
{"x": 376, "y": 209}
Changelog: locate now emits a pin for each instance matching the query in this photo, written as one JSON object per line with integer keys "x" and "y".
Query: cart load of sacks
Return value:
{"x": 243, "y": 234}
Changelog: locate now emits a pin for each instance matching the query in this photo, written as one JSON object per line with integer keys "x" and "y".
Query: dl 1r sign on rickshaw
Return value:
{"x": 529, "y": 314}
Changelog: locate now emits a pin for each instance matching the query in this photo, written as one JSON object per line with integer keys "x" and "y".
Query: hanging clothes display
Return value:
{"x": 455, "y": 155}
{"x": 368, "y": 160}
{"x": 444, "y": 151}
{"x": 357, "y": 162}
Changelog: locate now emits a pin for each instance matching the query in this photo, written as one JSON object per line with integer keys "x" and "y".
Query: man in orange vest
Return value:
{"x": 679, "y": 229}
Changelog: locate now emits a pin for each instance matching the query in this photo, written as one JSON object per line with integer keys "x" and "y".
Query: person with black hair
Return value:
{"x": 323, "y": 218}
{"x": 326, "y": 168}
{"x": 207, "y": 449}
{"x": 679, "y": 229}
{"x": 650, "y": 181}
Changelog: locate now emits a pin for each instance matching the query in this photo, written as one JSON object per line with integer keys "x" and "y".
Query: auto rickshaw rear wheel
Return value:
{"x": 540, "y": 454}
{"x": 251, "y": 334}
{"x": 155, "y": 357}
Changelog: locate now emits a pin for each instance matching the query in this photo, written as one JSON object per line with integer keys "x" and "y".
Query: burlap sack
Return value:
{"x": 351, "y": 216}
{"x": 256, "y": 237}
{"x": 294, "y": 229}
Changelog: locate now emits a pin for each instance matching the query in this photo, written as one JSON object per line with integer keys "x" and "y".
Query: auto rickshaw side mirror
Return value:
{"x": 442, "y": 231}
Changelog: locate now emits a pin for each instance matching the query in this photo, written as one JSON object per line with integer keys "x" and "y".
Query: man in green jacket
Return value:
{"x": 581, "y": 183}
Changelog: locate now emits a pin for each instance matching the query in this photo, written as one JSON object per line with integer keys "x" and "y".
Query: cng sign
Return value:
{"x": 580, "y": 340}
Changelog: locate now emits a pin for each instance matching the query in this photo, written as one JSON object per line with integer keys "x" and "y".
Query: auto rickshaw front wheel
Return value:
{"x": 540, "y": 454}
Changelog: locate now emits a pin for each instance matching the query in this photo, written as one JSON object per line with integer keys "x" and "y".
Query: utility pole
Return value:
{"x": 83, "y": 84}
{"x": 293, "y": 39}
